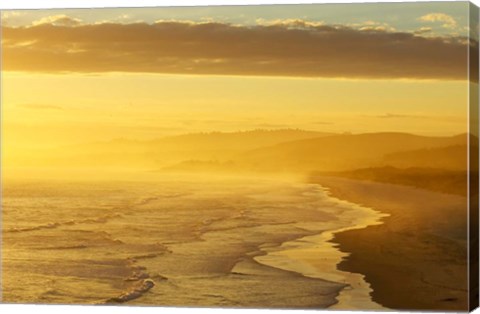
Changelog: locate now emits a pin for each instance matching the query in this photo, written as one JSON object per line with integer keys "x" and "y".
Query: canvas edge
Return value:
{"x": 1, "y": 157}
{"x": 473, "y": 150}
{"x": 473, "y": 158}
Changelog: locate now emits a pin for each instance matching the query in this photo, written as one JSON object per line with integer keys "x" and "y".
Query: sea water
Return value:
{"x": 233, "y": 242}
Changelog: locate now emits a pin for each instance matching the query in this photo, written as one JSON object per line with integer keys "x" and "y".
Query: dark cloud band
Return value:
{"x": 216, "y": 48}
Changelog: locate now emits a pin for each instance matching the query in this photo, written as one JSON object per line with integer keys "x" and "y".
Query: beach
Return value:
{"x": 234, "y": 242}
{"x": 417, "y": 258}
{"x": 178, "y": 242}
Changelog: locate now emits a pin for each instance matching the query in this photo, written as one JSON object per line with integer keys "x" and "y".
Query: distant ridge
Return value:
{"x": 255, "y": 135}
{"x": 341, "y": 152}
{"x": 449, "y": 157}
{"x": 261, "y": 150}
{"x": 170, "y": 150}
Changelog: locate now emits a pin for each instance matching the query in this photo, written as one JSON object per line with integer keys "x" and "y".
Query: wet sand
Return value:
{"x": 416, "y": 259}
{"x": 316, "y": 256}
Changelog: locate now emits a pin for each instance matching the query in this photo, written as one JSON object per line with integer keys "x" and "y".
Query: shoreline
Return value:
{"x": 317, "y": 256}
{"x": 416, "y": 259}
{"x": 266, "y": 217}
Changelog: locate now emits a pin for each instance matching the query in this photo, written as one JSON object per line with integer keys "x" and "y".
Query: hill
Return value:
{"x": 340, "y": 152}
{"x": 449, "y": 157}
{"x": 151, "y": 154}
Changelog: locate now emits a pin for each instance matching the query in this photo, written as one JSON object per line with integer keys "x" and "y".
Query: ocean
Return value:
{"x": 179, "y": 241}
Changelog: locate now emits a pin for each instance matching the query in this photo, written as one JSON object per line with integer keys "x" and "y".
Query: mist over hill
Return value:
{"x": 165, "y": 151}
{"x": 259, "y": 151}
{"x": 342, "y": 152}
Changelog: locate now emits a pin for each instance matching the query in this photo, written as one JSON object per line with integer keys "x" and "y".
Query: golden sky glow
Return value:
{"x": 58, "y": 109}
{"x": 69, "y": 80}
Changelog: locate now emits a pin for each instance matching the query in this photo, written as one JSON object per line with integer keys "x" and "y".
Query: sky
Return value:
{"x": 76, "y": 76}
{"x": 451, "y": 17}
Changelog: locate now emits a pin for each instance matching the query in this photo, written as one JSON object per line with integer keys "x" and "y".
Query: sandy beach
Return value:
{"x": 235, "y": 243}
{"x": 416, "y": 259}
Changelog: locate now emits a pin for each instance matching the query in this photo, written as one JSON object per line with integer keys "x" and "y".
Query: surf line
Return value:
{"x": 316, "y": 256}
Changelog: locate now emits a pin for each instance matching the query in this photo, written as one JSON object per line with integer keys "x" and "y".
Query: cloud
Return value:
{"x": 399, "y": 116}
{"x": 120, "y": 19}
{"x": 289, "y": 23}
{"x": 372, "y": 26}
{"x": 6, "y": 17}
{"x": 423, "y": 30}
{"x": 10, "y": 14}
{"x": 58, "y": 20}
{"x": 447, "y": 20}
{"x": 224, "y": 49}
{"x": 444, "y": 118}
